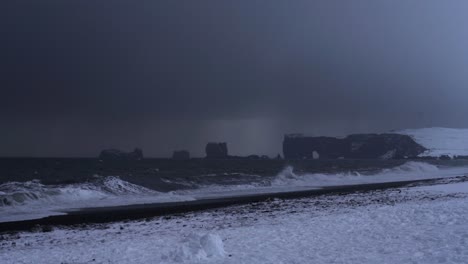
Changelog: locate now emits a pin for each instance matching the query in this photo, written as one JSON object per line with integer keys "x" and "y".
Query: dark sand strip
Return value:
{"x": 133, "y": 212}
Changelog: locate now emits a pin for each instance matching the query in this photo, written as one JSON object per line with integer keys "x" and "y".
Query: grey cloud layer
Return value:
{"x": 329, "y": 67}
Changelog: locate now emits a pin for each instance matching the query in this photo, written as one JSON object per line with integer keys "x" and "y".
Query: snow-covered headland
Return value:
{"x": 439, "y": 141}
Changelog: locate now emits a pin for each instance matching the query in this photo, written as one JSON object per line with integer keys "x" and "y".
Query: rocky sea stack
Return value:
{"x": 216, "y": 150}
{"x": 115, "y": 154}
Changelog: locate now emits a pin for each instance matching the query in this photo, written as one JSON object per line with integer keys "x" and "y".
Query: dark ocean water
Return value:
{"x": 31, "y": 188}
{"x": 158, "y": 173}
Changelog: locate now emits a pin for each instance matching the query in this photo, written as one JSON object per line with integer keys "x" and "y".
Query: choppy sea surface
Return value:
{"x": 36, "y": 198}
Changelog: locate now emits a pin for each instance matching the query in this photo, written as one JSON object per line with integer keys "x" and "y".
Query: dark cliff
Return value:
{"x": 216, "y": 151}
{"x": 360, "y": 146}
{"x": 115, "y": 154}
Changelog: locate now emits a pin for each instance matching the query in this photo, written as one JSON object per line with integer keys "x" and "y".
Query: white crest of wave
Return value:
{"x": 411, "y": 170}
{"x": 18, "y": 193}
{"x": 32, "y": 199}
{"x": 287, "y": 177}
{"x": 288, "y": 180}
{"x": 412, "y": 167}
{"x": 115, "y": 185}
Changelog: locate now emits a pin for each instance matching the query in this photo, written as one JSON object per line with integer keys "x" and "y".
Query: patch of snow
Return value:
{"x": 440, "y": 141}
{"x": 197, "y": 247}
{"x": 446, "y": 188}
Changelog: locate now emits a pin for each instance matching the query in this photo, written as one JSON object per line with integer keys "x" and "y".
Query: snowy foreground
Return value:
{"x": 409, "y": 225}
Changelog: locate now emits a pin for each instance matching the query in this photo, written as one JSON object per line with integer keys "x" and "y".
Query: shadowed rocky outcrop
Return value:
{"x": 216, "y": 150}
{"x": 181, "y": 155}
{"x": 360, "y": 146}
{"x": 115, "y": 154}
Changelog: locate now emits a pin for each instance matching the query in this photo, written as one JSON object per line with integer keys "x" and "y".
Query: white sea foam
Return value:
{"x": 409, "y": 171}
{"x": 287, "y": 180}
{"x": 28, "y": 200}
{"x": 32, "y": 199}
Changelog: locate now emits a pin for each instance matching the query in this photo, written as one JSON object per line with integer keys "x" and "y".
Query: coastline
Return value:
{"x": 142, "y": 211}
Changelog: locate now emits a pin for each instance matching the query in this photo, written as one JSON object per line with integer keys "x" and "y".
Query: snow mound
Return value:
{"x": 452, "y": 188}
{"x": 440, "y": 141}
{"x": 198, "y": 247}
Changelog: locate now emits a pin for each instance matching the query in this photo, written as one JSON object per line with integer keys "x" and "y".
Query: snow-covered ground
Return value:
{"x": 440, "y": 141}
{"x": 408, "y": 225}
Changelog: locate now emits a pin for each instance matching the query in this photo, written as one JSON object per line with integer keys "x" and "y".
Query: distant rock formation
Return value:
{"x": 181, "y": 155}
{"x": 445, "y": 157}
{"x": 359, "y": 146}
{"x": 216, "y": 151}
{"x": 257, "y": 157}
{"x": 115, "y": 154}
{"x": 253, "y": 157}
{"x": 296, "y": 146}
{"x": 383, "y": 146}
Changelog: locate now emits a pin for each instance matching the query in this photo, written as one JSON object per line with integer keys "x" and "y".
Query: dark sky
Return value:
{"x": 80, "y": 76}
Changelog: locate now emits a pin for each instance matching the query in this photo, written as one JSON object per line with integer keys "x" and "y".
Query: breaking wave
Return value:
{"x": 32, "y": 199}
{"x": 289, "y": 180}
{"x": 20, "y": 193}
{"x": 409, "y": 171}
{"x": 105, "y": 191}
{"x": 23, "y": 200}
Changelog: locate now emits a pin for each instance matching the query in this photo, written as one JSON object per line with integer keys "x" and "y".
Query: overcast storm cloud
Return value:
{"x": 79, "y": 76}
